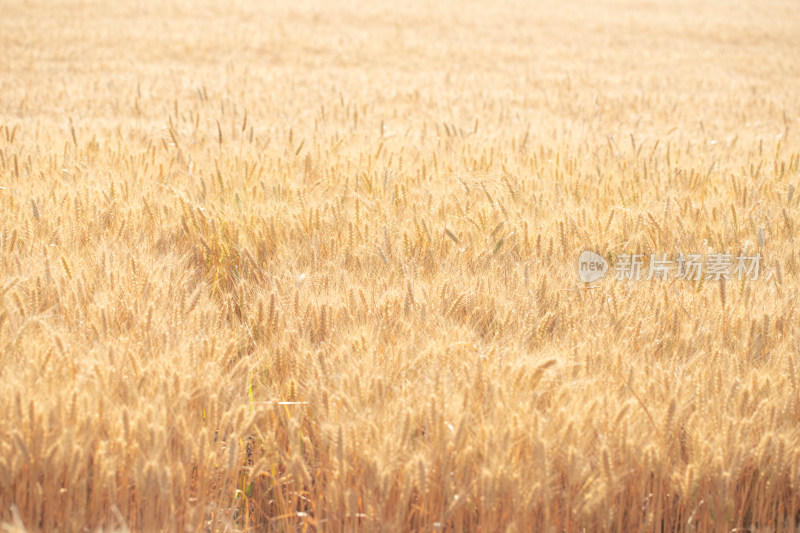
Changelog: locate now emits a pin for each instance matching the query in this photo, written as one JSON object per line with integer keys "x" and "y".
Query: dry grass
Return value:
{"x": 313, "y": 267}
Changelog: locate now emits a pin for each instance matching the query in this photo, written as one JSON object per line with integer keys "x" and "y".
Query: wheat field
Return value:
{"x": 313, "y": 267}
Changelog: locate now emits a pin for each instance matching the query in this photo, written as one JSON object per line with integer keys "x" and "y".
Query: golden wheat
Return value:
{"x": 318, "y": 266}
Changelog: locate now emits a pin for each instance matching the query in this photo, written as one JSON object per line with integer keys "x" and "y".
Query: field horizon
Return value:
{"x": 308, "y": 266}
